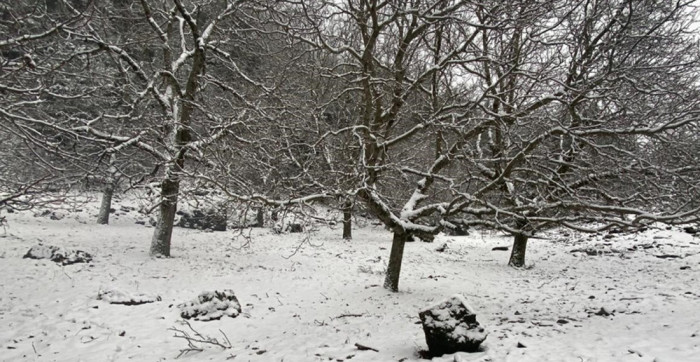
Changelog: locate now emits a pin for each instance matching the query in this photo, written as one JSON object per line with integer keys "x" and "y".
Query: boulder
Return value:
{"x": 450, "y": 326}
{"x": 58, "y": 255}
{"x": 295, "y": 228}
{"x": 457, "y": 230}
{"x": 211, "y": 219}
{"x": 211, "y": 306}
{"x": 116, "y": 296}
{"x": 426, "y": 238}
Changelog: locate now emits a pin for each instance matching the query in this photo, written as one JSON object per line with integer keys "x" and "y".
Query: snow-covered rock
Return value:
{"x": 116, "y": 296}
{"x": 211, "y": 306}
{"x": 211, "y": 219}
{"x": 58, "y": 255}
{"x": 450, "y": 326}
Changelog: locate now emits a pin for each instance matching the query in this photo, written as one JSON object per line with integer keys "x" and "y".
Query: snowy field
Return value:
{"x": 622, "y": 297}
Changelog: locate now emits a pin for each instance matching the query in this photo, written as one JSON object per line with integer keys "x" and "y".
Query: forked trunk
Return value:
{"x": 106, "y": 205}
{"x": 160, "y": 244}
{"x": 393, "y": 270}
{"x": 347, "y": 220}
{"x": 517, "y": 256}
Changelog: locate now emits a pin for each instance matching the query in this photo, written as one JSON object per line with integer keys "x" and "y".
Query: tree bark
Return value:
{"x": 393, "y": 270}
{"x": 162, "y": 236}
{"x": 517, "y": 256}
{"x": 347, "y": 220}
{"x": 106, "y": 205}
{"x": 170, "y": 188}
{"x": 260, "y": 218}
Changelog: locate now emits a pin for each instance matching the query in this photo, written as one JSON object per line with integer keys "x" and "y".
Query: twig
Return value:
{"x": 193, "y": 340}
{"x": 349, "y": 315}
{"x": 668, "y": 256}
{"x": 365, "y": 348}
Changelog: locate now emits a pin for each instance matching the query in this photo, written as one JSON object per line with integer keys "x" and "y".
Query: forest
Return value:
{"x": 252, "y": 139}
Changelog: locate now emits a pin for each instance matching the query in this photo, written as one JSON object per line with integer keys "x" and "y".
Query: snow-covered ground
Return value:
{"x": 317, "y": 303}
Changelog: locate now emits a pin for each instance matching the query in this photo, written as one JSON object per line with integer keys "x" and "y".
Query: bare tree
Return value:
{"x": 516, "y": 117}
{"x": 41, "y": 158}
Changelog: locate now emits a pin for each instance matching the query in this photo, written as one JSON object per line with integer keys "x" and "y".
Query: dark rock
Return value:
{"x": 427, "y": 238}
{"x": 211, "y": 306}
{"x": 500, "y": 248}
{"x": 58, "y": 255}
{"x": 56, "y": 216}
{"x": 211, "y": 219}
{"x": 520, "y": 345}
{"x": 451, "y": 326}
{"x": 201, "y": 192}
{"x": 691, "y": 230}
{"x": 603, "y": 312}
{"x": 457, "y": 230}
{"x": 112, "y": 210}
{"x": 44, "y": 213}
{"x": 685, "y": 267}
{"x": 140, "y": 222}
{"x": 295, "y": 228}
{"x": 115, "y": 296}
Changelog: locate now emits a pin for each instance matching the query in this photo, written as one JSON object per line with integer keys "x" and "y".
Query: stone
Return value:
{"x": 211, "y": 219}
{"x": 450, "y": 326}
{"x": 58, "y": 255}
{"x": 295, "y": 228}
{"x": 691, "y": 230}
{"x": 457, "y": 230}
{"x": 116, "y": 296}
{"x": 211, "y": 306}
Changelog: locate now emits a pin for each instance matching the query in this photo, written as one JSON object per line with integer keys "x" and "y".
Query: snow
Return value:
{"x": 316, "y": 303}
{"x": 116, "y": 296}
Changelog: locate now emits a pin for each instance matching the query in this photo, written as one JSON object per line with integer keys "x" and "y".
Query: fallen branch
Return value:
{"x": 668, "y": 256}
{"x": 348, "y": 315}
{"x": 196, "y": 337}
{"x": 365, "y": 348}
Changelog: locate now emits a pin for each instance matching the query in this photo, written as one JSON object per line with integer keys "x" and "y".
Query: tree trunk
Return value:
{"x": 260, "y": 218}
{"x": 517, "y": 256}
{"x": 347, "y": 220}
{"x": 106, "y": 205}
{"x": 160, "y": 244}
{"x": 393, "y": 270}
